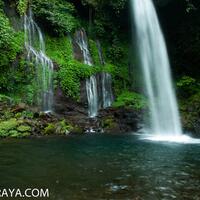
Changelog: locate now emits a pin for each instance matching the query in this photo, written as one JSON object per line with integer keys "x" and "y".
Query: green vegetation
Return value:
{"x": 13, "y": 128}
{"x": 94, "y": 52}
{"x": 130, "y": 99}
{"x": 22, "y": 6}
{"x": 109, "y": 124}
{"x": 70, "y": 72}
{"x": 105, "y": 17}
{"x": 50, "y": 129}
{"x": 57, "y": 14}
{"x": 10, "y": 46}
{"x": 60, "y": 17}
{"x": 189, "y": 98}
{"x": 190, "y": 112}
{"x": 61, "y": 127}
{"x": 188, "y": 86}
{"x": 5, "y": 98}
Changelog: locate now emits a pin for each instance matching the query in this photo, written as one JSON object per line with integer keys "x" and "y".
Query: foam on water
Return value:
{"x": 170, "y": 138}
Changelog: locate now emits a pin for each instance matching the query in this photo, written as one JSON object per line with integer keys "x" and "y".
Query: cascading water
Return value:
{"x": 91, "y": 83}
{"x": 107, "y": 89}
{"x": 106, "y": 82}
{"x": 100, "y": 53}
{"x": 165, "y": 119}
{"x": 35, "y": 46}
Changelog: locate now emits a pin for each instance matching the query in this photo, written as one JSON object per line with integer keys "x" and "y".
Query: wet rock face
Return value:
{"x": 191, "y": 123}
{"x": 15, "y": 19}
{"x": 99, "y": 89}
{"x": 196, "y": 131}
{"x": 120, "y": 120}
{"x": 83, "y": 94}
{"x": 66, "y": 106}
{"x": 78, "y": 54}
{"x": 22, "y": 121}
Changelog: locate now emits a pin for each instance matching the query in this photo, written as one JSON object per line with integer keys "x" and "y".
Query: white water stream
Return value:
{"x": 164, "y": 115}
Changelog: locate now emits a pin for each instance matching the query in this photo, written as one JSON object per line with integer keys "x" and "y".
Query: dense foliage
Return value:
{"x": 70, "y": 72}
{"x": 10, "y": 45}
{"x": 58, "y": 15}
{"x": 130, "y": 99}
{"x": 22, "y": 6}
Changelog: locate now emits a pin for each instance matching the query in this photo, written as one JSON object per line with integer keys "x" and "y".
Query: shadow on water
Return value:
{"x": 102, "y": 167}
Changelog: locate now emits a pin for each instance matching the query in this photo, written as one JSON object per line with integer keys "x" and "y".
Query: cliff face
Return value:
{"x": 71, "y": 72}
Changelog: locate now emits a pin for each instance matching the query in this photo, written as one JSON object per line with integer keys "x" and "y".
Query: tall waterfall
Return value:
{"x": 35, "y": 46}
{"x": 106, "y": 82}
{"x": 91, "y": 83}
{"x": 156, "y": 70}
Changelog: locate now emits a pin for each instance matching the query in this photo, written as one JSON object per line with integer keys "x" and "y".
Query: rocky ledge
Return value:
{"x": 23, "y": 121}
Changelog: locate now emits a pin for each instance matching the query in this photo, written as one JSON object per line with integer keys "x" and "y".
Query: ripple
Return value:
{"x": 116, "y": 188}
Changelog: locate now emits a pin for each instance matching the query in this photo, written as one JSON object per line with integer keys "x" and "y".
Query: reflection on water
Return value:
{"x": 99, "y": 167}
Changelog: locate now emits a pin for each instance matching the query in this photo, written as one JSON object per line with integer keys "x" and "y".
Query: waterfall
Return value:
{"x": 107, "y": 89}
{"x": 106, "y": 82}
{"x": 91, "y": 83}
{"x": 165, "y": 119}
{"x": 35, "y": 46}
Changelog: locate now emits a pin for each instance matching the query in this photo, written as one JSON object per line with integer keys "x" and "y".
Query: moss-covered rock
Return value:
{"x": 63, "y": 128}
{"x": 13, "y": 128}
{"x": 110, "y": 125}
{"x": 8, "y": 125}
{"x": 16, "y": 134}
{"x": 13, "y": 133}
{"x": 24, "y": 128}
{"x": 77, "y": 130}
{"x": 25, "y": 134}
{"x": 50, "y": 129}
{"x": 190, "y": 114}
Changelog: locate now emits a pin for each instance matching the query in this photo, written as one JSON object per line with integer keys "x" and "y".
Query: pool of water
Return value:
{"x": 98, "y": 167}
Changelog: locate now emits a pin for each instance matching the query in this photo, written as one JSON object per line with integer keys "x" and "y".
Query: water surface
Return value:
{"x": 102, "y": 167}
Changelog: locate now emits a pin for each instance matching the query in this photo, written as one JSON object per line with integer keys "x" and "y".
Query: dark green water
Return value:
{"x": 102, "y": 167}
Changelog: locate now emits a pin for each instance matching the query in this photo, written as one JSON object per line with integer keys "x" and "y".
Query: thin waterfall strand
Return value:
{"x": 91, "y": 83}
{"x": 107, "y": 89}
{"x": 106, "y": 82}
